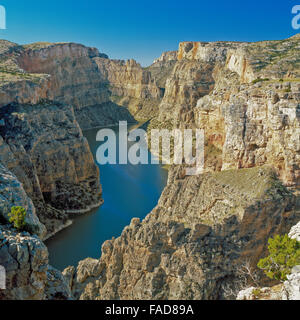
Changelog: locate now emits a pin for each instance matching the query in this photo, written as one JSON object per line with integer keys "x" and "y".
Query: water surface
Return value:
{"x": 128, "y": 191}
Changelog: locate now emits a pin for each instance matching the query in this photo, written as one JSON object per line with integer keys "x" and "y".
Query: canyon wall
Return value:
{"x": 44, "y": 147}
{"x": 246, "y": 98}
{"x": 189, "y": 246}
{"x": 204, "y": 228}
{"x": 132, "y": 86}
{"x": 247, "y": 105}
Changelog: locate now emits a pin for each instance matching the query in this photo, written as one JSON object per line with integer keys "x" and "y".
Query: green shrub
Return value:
{"x": 284, "y": 254}
{"x": 17, "y": 216}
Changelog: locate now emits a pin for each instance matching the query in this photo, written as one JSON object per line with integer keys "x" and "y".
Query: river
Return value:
{"x": 128, "y": 191}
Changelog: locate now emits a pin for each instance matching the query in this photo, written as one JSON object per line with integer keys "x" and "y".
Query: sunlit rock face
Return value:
{"x": 246, "y": 98}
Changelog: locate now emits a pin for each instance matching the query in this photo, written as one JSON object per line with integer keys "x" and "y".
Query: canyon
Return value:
{"x": 246, "y": 97}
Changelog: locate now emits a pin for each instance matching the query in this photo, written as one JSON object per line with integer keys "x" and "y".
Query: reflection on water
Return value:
{"x": 128, "y": 191}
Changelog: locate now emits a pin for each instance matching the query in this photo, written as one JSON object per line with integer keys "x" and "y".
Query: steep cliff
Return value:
{"x": 162, "y": 68}
{"x": 44, "y": 147}
{"x": 132, "y": 86}
{"x": 64, "y": 72}
{"x": 246, "y": 98}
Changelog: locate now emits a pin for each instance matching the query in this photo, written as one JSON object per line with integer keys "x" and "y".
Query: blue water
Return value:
{"x": 128, "y": 191}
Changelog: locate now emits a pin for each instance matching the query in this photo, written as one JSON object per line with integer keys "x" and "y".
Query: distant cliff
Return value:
{"x": 246, "y": 98}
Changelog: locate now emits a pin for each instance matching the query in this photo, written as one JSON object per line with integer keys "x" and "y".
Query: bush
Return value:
{"x": 284, "y": 255}
{"x": 17, "y": 216}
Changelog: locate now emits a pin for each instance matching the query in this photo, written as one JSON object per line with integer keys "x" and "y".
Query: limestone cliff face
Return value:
{"x": 166, "y": 56}
{"x": 254, "y": 125}
{"x": 44, "y": 147}
{"x": 162, "y": 68}
{"x": 245, "y": 96}
{"x": 192, "y": 78}
{"x": 188, "y": 82}
{"x": 187, "y": 247}
{"x": 74, "y": 78}
{"x": 64, "y": 72}
{"x": 132, "y": 86}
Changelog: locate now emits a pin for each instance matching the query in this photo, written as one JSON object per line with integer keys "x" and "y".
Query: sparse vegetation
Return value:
{"x": 284, "y": 255}
{"x": 17, "y": 216}
{"x": 245, "y": 277}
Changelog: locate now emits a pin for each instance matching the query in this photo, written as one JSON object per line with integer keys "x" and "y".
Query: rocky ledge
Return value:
{"x": 190, "y": 245}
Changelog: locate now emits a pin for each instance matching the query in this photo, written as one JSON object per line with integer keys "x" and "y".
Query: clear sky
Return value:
{"x": 144, "y": 29}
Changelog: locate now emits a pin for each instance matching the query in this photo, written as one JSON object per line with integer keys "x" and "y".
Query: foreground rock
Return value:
{"x": 28, "y": 275}
{"x": 13, "y": 194}
{"x": 189, "y": 246}
{"x": 23, "y": 255}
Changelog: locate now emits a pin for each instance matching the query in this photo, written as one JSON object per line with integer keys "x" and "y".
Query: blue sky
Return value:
{"x": 144, "y": 29}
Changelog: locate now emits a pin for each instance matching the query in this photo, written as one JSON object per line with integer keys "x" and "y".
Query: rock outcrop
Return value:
{"x": 23, "y": 256}
{"x": 12, "y": 193}
{"x": 27, "y": 273}
{"x": 189, "y": 245}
